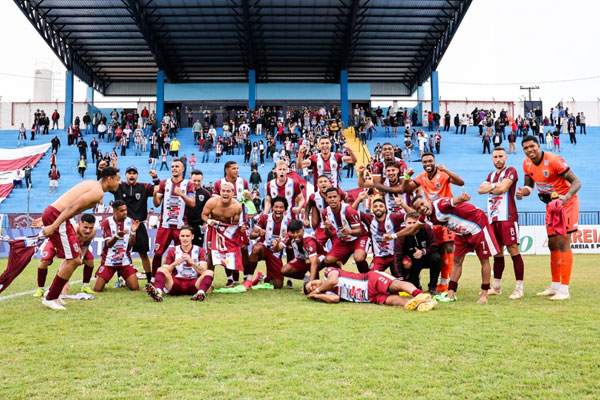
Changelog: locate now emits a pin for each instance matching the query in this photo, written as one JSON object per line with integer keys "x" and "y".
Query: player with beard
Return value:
{"x": 500, "y": 186}
{"x": 435, "y": 182}
{"x": 176, "y": 196}
{"x": 194, "y": 214}
{"x": 85, "y": 232}
{"x": 304, "y": 253}
{"x": 286, "y": 187}
{"x": 372, "y": 287}
{"x": 343, "y": 224}
{"x": 222, "y": 214}
{"x": 119, "y": 233}
{"x": 326, "y": 163}
{"x": 59, "y": 230}
{"x": 316, "y": 204}
{"x": 185, "y": 271}
{"x": 555, "y": 180}
{"x": 381, "y": 223}
{"x": 393, "y": 194}
{"x": 473, "y": 233}
{"x": 231, "y": 171}
{"x": 269, "y": 230}
{"x": 379, "y": 168}
{"x": 135, "y": 195}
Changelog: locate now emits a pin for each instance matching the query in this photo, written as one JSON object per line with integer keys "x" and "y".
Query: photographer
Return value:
{"x": 417, "y": 252}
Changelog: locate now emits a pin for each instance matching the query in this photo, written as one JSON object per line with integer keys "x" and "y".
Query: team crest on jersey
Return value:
{"x": 138, "y": 196}
{"x": 201, "y": 198}
{"x": 438, "y": 186}
{"x": 156, "y": 246}
{"x": 75, "y": 246}
{"x": 100, "y": 270}
{"x": 44, "y": 254}
{"x": 546, "y": 173}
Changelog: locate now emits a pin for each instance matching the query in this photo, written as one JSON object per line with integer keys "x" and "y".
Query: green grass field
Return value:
{"x": 277, "y": 344}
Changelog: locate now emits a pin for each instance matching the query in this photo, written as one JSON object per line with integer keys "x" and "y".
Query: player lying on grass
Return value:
{"x": 373, "y": 287}
{"x": 185, "y": 271}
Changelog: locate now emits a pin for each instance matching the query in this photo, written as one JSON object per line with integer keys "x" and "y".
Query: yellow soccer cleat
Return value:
{"x": 415, "y": 301}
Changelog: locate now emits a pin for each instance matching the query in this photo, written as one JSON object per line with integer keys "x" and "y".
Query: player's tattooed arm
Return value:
{"x": 570, "y": 176}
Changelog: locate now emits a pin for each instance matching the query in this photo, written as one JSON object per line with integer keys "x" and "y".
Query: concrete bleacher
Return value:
{"x": 460, "y": 153}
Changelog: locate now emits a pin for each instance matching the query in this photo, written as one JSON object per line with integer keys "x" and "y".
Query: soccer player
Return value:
{"x": 379, "y": 168}
{"x": 268, "y": 229}
{"x": 380, "y": 223}
{"x": 315, "y": 206}
{"x": 176, "y": 195}
{"x": 136, "y": 195}
{"x": 304, "y": 253}
{"x": 343, "y": 223}
{"x": 58, "y": 229}
{"x": 286, "y": 187}
{"x": 194, "y": 215}
{"x": 500, "y": 186}
{"x": 391, "y": 188}
{"x": 85, "y": 232}
{"x": 372, "y": 287}
{"x": 552, "y": 175}
{"x": 326, "y": 163}
{"x": 435, "y": 182}
{"x": 185, "y": 271}
{"x": 119, "y": 233}
{"x": 473, "y": 233}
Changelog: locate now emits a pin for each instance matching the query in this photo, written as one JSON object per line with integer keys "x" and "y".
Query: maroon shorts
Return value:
{"x": 506, "y": 232}
{"x": 183, "y": 286}
{"x": 484, "y": 244}
{"x": 342, "y": 250}
{"x": 106, "y": 272}
{"x": 381, "y": 263}
{"x": 302, "y": 265}
{"x": 379, "y": 282}
{"x": 49, "y": 252}
{"x": 274, "y": 263}
{"x": 164, "y": 236}
{"x": 321, "y": 236}
{"x": 64, "y": 238}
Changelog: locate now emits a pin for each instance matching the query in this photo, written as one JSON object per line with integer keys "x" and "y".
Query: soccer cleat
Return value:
{"x": 39, "y": 292}
{"x": 199, "y": 296}
{"x": 263, "y": 286}
{"x": 561, "y": 296}
{"x": 427, "y": 305}
{"x": 289, "y": 284}
{"x": 53, "y": 304}
{"x": 548, "y": 292}
{"x": 88, "y": 289}
{"x": 517, "y": 294}
{"x": 230, "y": 283}
{"x": 494, "y": 291}
{"x": 415, "y": 301}
{"x": 442, "y": 288}
{"x": 153, "y": 292}
{"x": 443, "y": 298}
{"x": 59, "y": 300}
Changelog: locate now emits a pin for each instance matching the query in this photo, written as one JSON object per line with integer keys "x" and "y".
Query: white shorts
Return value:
{"x": 53, "y": 183}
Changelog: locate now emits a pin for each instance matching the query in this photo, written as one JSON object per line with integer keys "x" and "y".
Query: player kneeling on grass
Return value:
{"x": 304, "y": 254}
{"x": 372, "y": 287}
{"x": 186, "y": 271}
{"x": 119, "y": 237}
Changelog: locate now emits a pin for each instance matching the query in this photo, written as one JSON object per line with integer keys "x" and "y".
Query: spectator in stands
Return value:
{"x": 163, "y": 162}
{"x": 55, "y": 144}
{"x": 94, "y": 148}
{"x": 113, "y": 159}
{"x": 218, "y": 151}
{"x": 34, "y": 129}
{"x": 87, "y": 121}
{"x": 486, "y": 140}
{"x": 54, "y": 176}
{"x": 556, "y": 138}
{"x": 408, "y": 147}
{"x": 18, "y": 179}
{"x": 123, "y": 144}
{"x": 76, "y": 132}
{"x": 512, "y": 138}
{"x": 437, "y": 142}
{"x": 447, "y": 118}
{"x": 22, "y": 135}
{"x": 55, "y": 118}
{"x": 548, "y": 141}
{"x": 582, "y": 124}
{"x": 81, "y": 166}
{"x": 175, "y": 146}
{"x": 82, "y": 145}
{"x": 27, "y": 171}
{"x": 497, "y": 140}
{"x": 184, "y": 161}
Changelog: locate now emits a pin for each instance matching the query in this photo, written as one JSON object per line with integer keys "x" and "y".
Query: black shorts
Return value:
{"x": 198, "y": 236}
{"x": 141, "y": 245}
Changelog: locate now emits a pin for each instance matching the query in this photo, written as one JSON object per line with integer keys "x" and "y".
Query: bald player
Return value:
{"x": 58, "y": 229}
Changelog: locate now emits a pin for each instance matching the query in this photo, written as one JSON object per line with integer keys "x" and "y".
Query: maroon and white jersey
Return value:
{"x": 347, "y": 218}
{"x": 173, "y": 207}
{"x": 330, "y": 168}
{"x": 502, "y": 207}
{"x": 463, "y": 219}
{"x": 317, "y": 200}
{"x": 390, "y": 198}
{"x": 377, "y": 229}
{"x": 290, "y": 190}
{"x": 185, "y": 270}
{"x": 379, "y": 167}
{"x": 118, "y": 254}
{"x": 305, "y": 250}
{"x": 351, "y": 286}
{"x": 239, "y": 185}
{"x": 274, "y": 230}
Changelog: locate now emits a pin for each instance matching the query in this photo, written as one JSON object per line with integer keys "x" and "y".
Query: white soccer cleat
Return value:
{"x": 52, "y": 304}
{"x": 517, "y": 294}
{"x": 60, "y": 301}
{"x": 561, "y": 296}
{"x": 548, "y": 292}
{"x": 494, "y": 291}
